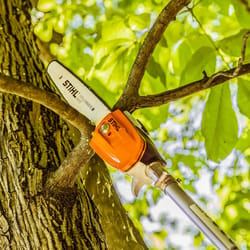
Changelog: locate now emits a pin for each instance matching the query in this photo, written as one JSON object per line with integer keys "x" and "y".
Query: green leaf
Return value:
{"x": 61, "y": 24}
{"x": 204, "y": 59}
{"x": 243, "y": 96}
{"x": 219, "y": 124}
{"x": 163, "y": 42}
{"x": 198, "y": 238}
{"x": 44, "y": 31}
{"x": 46, "y": 5}
{"x": 156, "y": 194}
{"x": 174, "y": 32}
{"x": 112, "y": 59}
{"x": 242, "y": 13}
{"x": 162, "y": 134}
{"x": 196, "y": 40}
{"x": 139, "y": 22}
{"x": 118, "y": 76}
{"x": 232, "y": 45}
{"x": 153, "y": 117}
{"x": 200, "y": 9}
{"x": 116, "y": 29}
{"x": 161, "y": 235}
{"x": 151, "y": 85}
{"x": 215, "y": 177}
{"x": 180, "y": 57}
{"x": 243, "y": 142}
{"x": 104, "y": 48}
{"x": 100, "y": 88}
{"x": 188, "y": 160}
{"x": 155, "y": 70}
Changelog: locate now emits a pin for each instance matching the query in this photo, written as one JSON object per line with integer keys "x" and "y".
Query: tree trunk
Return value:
{"x": 33, "y": 143}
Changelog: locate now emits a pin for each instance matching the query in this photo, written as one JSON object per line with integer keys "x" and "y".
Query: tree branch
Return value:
{"x": 47, "y": 99}
{"x": 167, "y": 15}
{"x": 64, "y": 177}
{"x": 243, "y": 50}
{"x": 189, "y": 89}
{"x": 245, "y": 3}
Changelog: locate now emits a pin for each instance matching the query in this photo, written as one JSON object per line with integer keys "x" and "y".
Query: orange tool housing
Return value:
{"x": 117, "y": 141}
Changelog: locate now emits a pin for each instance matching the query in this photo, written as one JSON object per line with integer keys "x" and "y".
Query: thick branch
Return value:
{"x": 47, "y": 99}
{"x": 191, "y": 88}
{"x": 245, "y": 3}
{"x": 167, "y": 15}
{"x": 65, "y": 175}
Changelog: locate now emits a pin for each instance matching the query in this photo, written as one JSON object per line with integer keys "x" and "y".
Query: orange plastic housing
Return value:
{"x": 117, "y": 141}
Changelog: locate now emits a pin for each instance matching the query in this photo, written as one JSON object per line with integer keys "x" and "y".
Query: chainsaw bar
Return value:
{"x": 76, "y": 93}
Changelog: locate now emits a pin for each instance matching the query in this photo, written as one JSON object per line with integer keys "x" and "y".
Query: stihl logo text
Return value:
{"x": 76, "y": 94}
{"x": 71, "y": 89}
{"x": 114, "y": 124}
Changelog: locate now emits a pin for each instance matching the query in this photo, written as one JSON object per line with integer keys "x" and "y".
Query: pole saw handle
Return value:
{"x": 123, "y": 143}
{"x": 170, "y": 187}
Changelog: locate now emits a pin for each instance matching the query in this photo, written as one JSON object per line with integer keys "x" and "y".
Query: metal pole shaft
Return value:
{"x": 199, "y": 217}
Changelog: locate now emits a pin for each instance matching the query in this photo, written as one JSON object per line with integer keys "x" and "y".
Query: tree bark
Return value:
{"x": 33, "y": 143}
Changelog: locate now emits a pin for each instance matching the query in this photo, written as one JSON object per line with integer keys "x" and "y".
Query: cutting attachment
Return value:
{"x": 77, "y": 93}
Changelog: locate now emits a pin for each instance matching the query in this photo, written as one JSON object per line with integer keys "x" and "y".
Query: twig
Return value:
{"x": 243, "y": 50}
{"x": 189, "y": 89}
{"x": 239, "y": 66}
{"x": 167, "y": 15}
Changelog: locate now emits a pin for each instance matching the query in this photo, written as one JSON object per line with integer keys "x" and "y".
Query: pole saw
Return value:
{"x": 122, "y": 142}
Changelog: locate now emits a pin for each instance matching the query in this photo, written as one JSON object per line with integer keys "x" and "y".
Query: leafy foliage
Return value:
{"x": 206, "y": 134}
{"x": 220, "y": 138}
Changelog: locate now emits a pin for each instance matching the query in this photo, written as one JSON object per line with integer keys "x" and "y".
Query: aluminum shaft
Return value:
{"x": 199, "y": 217}
{"x": 170, "y": 186}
